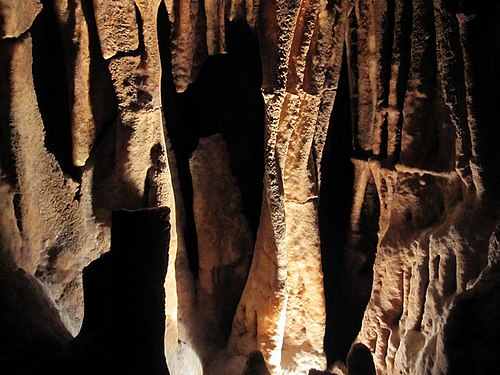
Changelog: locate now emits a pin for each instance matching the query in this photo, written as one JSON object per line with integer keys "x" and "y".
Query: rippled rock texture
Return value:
{"x": 331, "y": 170}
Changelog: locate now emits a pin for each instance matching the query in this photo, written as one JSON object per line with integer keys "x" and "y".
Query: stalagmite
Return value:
{"x": 224, "y": 238}
{"x": 290, "y": 329}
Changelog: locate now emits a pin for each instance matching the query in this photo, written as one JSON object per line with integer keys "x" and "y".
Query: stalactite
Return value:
{"x": 428, "y": 197}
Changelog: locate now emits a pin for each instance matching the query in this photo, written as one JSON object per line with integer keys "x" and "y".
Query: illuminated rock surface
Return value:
{"x": 331, "y": 170}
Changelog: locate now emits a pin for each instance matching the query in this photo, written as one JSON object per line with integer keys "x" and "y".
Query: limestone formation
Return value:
{"x": 433, "y": 223}
{"x": 53, "y": 222}
{"x": 16, "y": 17}
{"x": 229, "y": 113}
{"x": 224, "y": 238}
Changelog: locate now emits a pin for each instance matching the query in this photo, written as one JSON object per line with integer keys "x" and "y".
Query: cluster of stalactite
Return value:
{"x": 97, "y": 111}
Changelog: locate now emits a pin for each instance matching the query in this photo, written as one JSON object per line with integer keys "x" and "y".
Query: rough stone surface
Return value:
{"x": 87, "y": 91}
{"x": 53, "y": 220}
{"x": 279, "y": 299}
{"x": 117, "y": 25}
{"x": 224, "y": 239}
{"x": 418, "y": 140}
{"x": 16, "y": 17}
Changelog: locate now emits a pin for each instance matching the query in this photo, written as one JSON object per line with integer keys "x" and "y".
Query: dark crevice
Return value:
{"x": 399, "y": 131}
{"x": 366, "y": 243}
{"x": 226, "y": 99}
{"x": 141, "y": 47}
{"x": 384, "y": 138}
{"x": 385, "y": 71}
{"x": 120, "y": 54}
{"x": 404, "y": 51}
{"x": 387, "y": 51}
{"x": 425, "y": 289}
{"x": 351, "y": 51}
{"x": 348, "y": 257}
{"x": 103, "y": 99}
{"x": 49, "y": 76}
{"x": 7, "y": 160}
{"x": 483, "y": 48}
{"x": 404, "y": 69}
{"x": 334, "y": 215}
{"x": 16, "y": 201}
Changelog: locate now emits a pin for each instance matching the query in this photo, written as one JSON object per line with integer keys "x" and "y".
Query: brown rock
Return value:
{"x": 224, "y": 238}
{"x": 16, "y": 17}
{"x": 422, "y": 84}
{"x": 76, "y": 41}
{"x": 117, "y": 26}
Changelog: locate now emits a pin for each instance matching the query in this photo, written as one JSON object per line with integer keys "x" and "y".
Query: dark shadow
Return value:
{"x": 404, "y": 69}
{"x": 7, "y": 163}
{"x": 347, "y": 286}
{"x": 483, "y": 49}
{"x": 334, "y": 215}
{"x": 32, "y": 332}
{"x": 49, "y": 76}
{"x": 123, "y": 330}
{"x": 226, "y": 99}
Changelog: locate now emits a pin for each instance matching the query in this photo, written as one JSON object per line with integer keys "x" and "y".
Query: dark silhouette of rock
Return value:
{"x": 318, "y": 372}
{"x": 255, "y": 365}
{"x": 124, "y": 324}
{"x": 360, "y": 361}
{"x": 30, "y": 327}
{"x": 472, "y": 333}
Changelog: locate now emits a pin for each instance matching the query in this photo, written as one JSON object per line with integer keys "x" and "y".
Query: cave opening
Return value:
{"x": 225, "y": 99}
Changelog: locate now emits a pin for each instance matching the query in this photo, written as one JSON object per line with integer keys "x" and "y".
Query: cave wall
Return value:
{"x": 229, "y": 113}
{"x": 419, "y": 132}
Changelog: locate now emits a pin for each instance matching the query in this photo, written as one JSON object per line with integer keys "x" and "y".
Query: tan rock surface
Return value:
{"x": 76, "y": 41}
{"x": 16, "y": 17}
{"x": 224, "y": 239}
{"x": 117, "y": 25}
{"x": 295, "y": 137}
{"x": 55, "y": 223}
{"x": 425, "y": 162}
{"x": 433, "y": 224}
